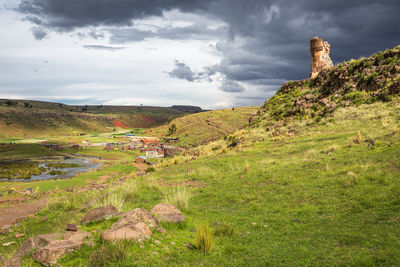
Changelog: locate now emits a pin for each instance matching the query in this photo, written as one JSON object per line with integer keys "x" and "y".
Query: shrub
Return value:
{"x": 203, "y": 238}
{"x": 358, "y": 139}
{"x": 172, "y": 129}
{"x": 150, "y": 169}
{"x": 179, "y": 197}
{"x": 224, "y": 230}
{"x": 246, "y": 166}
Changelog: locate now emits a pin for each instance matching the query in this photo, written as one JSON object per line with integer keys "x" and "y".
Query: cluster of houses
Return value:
{"x": 151, "y": 146}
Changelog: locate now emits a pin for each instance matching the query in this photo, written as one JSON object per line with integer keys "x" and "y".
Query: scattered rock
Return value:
{"x": 137, "y": 231}
{"x": 34, "y": 243}
{"x": 69, "y": 190}
{"x": 188, "y": 245}
{"x": 99, "y": 214}
{"x": 13, "y": 262}
{"x": 141, "y": 246}
{"x": 135, "y": 216}
{"x": 154, "y": 253}
{"x": 4, "y": 232}
{"x": 19, "y": 235}
{"x": 161, "y": 230}
{"x": 43, "y": 218}
{"x": 158, "y": 242}
{"x": 72, "y": 227}
{"x": 165, "y": 248}
{"x": 167, "y": 213}
{"x": 172, "y": 243}
{"x": 8, "y": 244}
{"x": 49, "y": 254}
{"x": 254, "y": 223}
{"x": 247, "y": 233}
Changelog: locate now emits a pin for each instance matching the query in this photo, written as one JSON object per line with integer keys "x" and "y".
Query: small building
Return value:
{"x": 170, "y": 151}
{"x": 75, "y": 146}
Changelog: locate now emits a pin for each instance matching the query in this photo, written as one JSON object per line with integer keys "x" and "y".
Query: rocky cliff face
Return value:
{"x": 351, "y": 83}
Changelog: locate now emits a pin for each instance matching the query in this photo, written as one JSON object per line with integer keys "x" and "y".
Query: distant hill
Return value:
{"x": 19, "y": 118}
{"x": 189, "y": 109}
{"x": 206, "y": 126}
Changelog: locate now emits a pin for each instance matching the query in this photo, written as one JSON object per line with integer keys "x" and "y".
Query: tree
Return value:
{"x": 172, "y": 129}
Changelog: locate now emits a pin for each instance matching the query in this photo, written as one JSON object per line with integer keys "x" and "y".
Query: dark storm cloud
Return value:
{"x": 103, "y": 47}
{"x": 67, "y": 15}
{"x": 264, "y": 41}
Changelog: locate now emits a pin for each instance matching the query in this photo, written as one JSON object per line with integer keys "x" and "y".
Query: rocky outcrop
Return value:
{"x": 320, "y": 59}
{"x": 167, "y": 213}
{"x": 99, "y": 214}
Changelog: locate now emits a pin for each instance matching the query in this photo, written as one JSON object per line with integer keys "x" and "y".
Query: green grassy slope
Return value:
{"x": 203, "y": 127}
{"x": 315, "y": 198}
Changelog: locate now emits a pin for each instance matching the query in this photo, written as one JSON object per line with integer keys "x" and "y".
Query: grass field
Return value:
{"x": 306, "y": 193}
{"x": 203, "y": 127}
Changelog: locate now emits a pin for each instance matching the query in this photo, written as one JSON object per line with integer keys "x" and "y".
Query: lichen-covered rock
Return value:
{"x": 135, "y": 216}
{"x": 54, "y": 250}
{"x": 131, "y": 231}
{"x": 36, "y": 242}
{"x": 99, "y": 214}
{"x": 167, "y": 213}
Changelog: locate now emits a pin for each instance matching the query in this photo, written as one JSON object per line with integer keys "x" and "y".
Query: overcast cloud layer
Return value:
{"x": 212, "y": 53}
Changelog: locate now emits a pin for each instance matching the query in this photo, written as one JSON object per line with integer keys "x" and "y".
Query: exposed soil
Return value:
{"x": 14, "y": 214}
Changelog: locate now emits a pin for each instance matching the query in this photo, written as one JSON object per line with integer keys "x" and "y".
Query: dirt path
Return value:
{"x": 141, "y": 166}
{"x": 11, "y": 215}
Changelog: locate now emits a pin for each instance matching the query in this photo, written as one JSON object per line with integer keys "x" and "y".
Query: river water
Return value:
{"x": 77, "y": 164}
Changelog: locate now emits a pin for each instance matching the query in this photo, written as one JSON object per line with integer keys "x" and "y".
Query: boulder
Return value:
{"x": 54, "y": 250}
{"x": 99, "y": 214}
{"x": 71, "y": 228}
{"x": 49, "y": 254}
{"x": 135, "y": 216}
{"x": 36, "y": 242}
{"x": 133, "y": 231}
{"x": 167, "y": 213}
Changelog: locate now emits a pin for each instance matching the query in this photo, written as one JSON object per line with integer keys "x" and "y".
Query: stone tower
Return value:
{"x": 319, "y": 56}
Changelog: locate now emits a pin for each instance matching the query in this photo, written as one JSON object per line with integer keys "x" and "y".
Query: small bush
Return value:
{"x": 178, "y": 197}
{"x": 246, "y": 166}
{"x": 172, "y": 129}
{"x": 358, "y": 139}
{"x": 150, "y": 169}
{"x": 109, "y": 253}
{"x": 203, "y": 238}
{"x": 224, "y": 230}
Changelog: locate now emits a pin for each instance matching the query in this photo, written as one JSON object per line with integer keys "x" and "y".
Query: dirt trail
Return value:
{"x": 11, "y": 215}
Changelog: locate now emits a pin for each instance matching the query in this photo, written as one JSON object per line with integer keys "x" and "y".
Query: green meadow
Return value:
{"x": 317, "y": 194}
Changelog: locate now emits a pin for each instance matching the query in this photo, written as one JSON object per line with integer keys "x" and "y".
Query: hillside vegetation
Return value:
{"x": 204, "y": 127}
{"x": 299, "y": 186}
{"x": 19, "y": 118}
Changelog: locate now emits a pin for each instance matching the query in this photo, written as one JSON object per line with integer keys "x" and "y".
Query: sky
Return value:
{"x": 208, "y": 53}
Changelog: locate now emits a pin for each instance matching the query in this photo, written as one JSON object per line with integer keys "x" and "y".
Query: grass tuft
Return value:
{"x": 179, "y": 197}
{"x": 203, "y": 238}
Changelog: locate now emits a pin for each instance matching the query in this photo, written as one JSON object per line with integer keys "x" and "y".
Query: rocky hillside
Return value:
{"x": 351, "y": 83}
